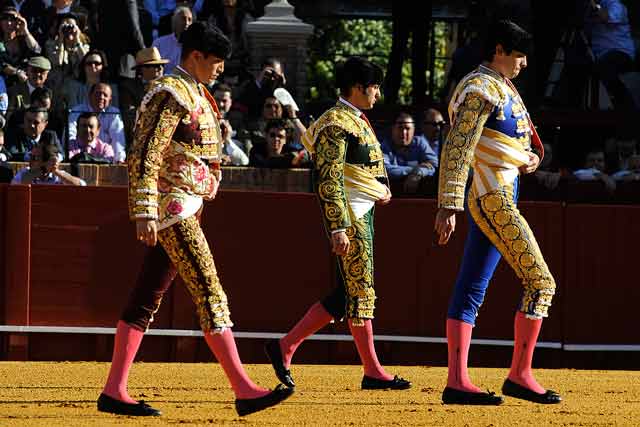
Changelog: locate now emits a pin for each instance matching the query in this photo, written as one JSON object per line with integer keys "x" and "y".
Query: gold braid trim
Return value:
{"x": 152, "y": 135}
{"x": 331, "y": 150}
{"x": 458, "y": 150}
{"x": 339, "y": 116}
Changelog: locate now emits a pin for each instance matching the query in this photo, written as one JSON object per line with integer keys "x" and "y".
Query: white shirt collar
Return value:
{"x": 350, "y": 105}
{"x": 31, "y": 88}
{"x": 66, "y": 9}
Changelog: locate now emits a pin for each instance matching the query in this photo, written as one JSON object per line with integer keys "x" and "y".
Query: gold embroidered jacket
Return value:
{"x": 176, "y": 139}
{"x": 349, "y": 166}
{"x": 490, "y": 132}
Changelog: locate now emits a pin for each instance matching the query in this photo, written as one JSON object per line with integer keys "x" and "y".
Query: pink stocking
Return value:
{"x": 224, "y": 348}
{"x": 363, "y": 336}
{"x": 459, "y": 341}
{"x": 125, "y": 346}
{"x": 526, "y": 333}
{"x": 314, "y": 320}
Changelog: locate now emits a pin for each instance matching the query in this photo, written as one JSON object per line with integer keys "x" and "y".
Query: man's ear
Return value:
{"x": 500, "y": 50}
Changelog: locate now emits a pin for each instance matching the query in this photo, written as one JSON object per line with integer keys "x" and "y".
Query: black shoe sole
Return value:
{"x": 249, "y": 406}
{"x": 511, "y": 389}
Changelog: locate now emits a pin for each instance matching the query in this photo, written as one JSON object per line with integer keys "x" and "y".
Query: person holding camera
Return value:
{"x": 253, "y": 94}
{"x": 67, "y": 49}
{"x": 44, "y": 167}
{"x": 16, "y": 46}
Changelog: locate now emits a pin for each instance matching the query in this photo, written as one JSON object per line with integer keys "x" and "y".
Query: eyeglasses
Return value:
{"x": 276, "y": 135}
{"x": 436, "y": 124}
{"x": 90, "y": 63}
{"x": 271, "y": 105}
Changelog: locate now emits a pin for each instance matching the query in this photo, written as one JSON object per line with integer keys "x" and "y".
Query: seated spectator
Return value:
{"x": 232, "y": 154}
{"x": 594, "y": 170}
{"x": 62, "y": 7}
{"x": 40, "y": 98}
{"x": 222, "y": 93}
{"x": 169, "y": 45}
{"x": 407, "y": 157}
{"x": 4, "y": 102}
{"x": 618, "y": 150}
{"x": 149, "y": 66}
{"x": 544, "y": 174}
{"x": 66, "y": 50}
{"x": 92, "y": 70}
{"x": 44, "y": 168}
{"x": 253, "y": 94}
{"x": 6, "y": 173}
{"x": 255, "y": 132}
{"x": 111, "y": 125}
{"x": 16, "y": 46}
{"x": 88, "y": 141}
{"x": 273, "y": 152}
{"x": 33, "y": 131}
{"x": 631, "y": 172}
{"x": 433, "y": 125}
{"x": 37, "y": 72}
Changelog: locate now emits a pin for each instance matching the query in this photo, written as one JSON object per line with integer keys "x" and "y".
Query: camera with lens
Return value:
{"x": 67, "y": 29}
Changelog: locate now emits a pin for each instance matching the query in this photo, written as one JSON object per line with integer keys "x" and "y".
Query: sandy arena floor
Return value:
{"x": 64, "y": 394}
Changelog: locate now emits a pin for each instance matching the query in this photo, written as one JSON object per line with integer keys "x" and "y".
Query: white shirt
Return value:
{"x": 238, "y": 157}
{"x": 171, "y": 49}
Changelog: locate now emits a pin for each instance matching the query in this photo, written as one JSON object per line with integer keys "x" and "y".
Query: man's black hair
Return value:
{"x": 277, "y": 124}
{"x": 357, "y": 71}
{"x": 205, "y": 38}
{"x": 40, "y": 94}
{"x": 509, "y": 35}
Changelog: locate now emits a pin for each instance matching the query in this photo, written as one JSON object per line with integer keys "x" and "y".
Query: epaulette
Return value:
{"x": 338, "y": 116}
{"x": 177, "y": 87}
{"x": 484, "y": 85}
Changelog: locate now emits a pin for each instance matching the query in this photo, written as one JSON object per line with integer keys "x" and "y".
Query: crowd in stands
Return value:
{"x": 71, "y": 82}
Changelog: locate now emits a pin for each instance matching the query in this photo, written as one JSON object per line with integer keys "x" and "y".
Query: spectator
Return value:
{"x": 594, "y": 170}
{"x": 16, "y": 46}
{"x": 232, "y": 154}
{"x": 128, "y": 37}
{"x": 254, "y": 132}
{"x": 66, "y": 50}
{"x": 62, "y": 7}
{"x": 6, "y": 173}
{"x": 232, "y": 17}
{"x": 631, "y": 172}
{"x": 33, "y": 131}
{"x": 33, "y": 12}
{"x": 149, "y": 66}
{"x": 37, "y": 73}
{"x": 544, "y": 174}
{"x": 619, "y": 150}
{"x": 44, "y": 168}
{"x": 272, "y": 153}
{"x": 88, "y": 141}
{"x": 222, "y": 93}
{"x": 254, "y": 93}
{"x": 111, "y": 125}
{"x": 93, "y": 69}
{"x": 613, "y": 48}
{"x": 161, "y": 15}
{"x": 433, "y": 125}
{"x": 4, "y": 102}
{"x": 169, "y": 45}
{"x": 408, "y": 157}
{"x": 40, "y": 98}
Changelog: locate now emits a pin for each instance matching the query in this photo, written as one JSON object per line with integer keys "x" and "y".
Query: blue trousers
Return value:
{"x": 479, "y": 262}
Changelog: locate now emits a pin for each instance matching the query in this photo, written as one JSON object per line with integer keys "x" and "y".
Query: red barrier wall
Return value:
{"x": 73, "y": 262}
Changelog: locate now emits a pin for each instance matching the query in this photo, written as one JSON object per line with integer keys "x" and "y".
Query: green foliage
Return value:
{"x": 334, "y": 41}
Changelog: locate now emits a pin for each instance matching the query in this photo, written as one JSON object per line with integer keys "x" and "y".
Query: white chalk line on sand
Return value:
{"x": 317, "y": 337}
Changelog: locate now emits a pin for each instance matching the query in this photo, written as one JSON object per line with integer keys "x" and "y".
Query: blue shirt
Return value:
{"x": 401, "y": 163}
{"x": 160, "y": 8}
{"x": 614, "y": 34}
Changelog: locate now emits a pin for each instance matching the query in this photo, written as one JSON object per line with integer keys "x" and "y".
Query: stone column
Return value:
{"x": 279, "y": 33}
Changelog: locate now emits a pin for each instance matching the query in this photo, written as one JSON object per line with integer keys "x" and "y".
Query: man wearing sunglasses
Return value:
{"x": 174, "y": 164}
{"x": 433, "y": 130}
{"x": 350, "y": 179}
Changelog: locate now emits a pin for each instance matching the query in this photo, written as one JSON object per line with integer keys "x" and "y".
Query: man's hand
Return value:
{"x": 147, "y": 231}
{"x": 216, "y": 185}
{"x": 386, "y": 198}
{"x": 445, "y": 225}
{"x": 21, "y": 25}
{"x": 340, "y": 243}
{"x": 226, "y": 130}
{"x": 534, "y": 162}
